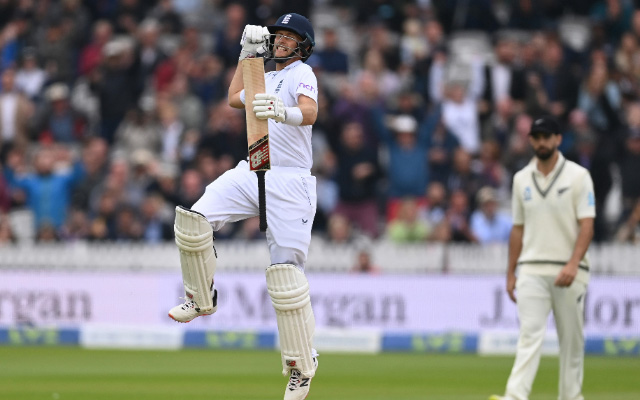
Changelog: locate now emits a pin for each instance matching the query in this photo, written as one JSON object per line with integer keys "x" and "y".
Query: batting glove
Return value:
{"x": 269, "y": 106}
{"x": 254, "y": 41}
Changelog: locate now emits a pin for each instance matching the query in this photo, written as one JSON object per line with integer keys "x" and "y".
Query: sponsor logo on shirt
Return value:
{"x": 591, "y": 200}
{"x": 307, "y": 87}
{"x": 527, "y": 193}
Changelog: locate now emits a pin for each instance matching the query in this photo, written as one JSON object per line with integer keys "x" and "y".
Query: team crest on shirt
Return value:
{"x": 527, "y": 193}
{"x": 279, "y": 86}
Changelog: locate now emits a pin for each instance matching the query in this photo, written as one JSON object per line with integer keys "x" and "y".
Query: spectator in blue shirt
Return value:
{"x": 408, "y": 167}
{"x": 488, "y": 224}
{"x": 331, "y": 59}
{"x": 47, "y": 190}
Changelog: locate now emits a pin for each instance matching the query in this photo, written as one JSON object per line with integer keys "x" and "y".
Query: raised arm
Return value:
{"x": 254, "y": 43}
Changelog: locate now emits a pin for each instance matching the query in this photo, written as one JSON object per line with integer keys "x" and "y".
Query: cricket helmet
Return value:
{"x": 299, "y": 25}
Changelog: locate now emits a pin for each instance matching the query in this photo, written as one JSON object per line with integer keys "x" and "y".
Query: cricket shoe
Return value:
{"x": 298, "y": 386}
{"x": 189, "y": 310}
{"x": 496, "y": 397}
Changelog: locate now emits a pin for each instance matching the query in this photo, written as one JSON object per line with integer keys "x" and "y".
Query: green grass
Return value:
{"x": 30, "y": 373}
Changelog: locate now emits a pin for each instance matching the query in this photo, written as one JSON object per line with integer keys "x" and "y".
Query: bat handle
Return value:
{"x": 262, "y": 201}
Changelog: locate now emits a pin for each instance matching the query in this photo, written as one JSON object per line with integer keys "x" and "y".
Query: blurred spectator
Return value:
{"x": 171, "y": 132}
{"x": 92, "y": 54}
{"x": 364, "y": 264}
{"x": 189, "y": 106}
{"x": 442, "y": 146}
{"x": 85, "y": 98}
{"x": 357, "y": 173}
{"x": 191, "y": 188}
{"x": 118, "y": 87}
{"x": 457, "y": 217}
{"x": 156, "y": 227}
{"x": 488, "y": 224}
{"x": 460, "y": 116}
{"x": 331, "y": 59}
{"x": 47, "y": 233}
{"x": 596, "y": 154}
{"x": 55, "y": 50}
{"x": 413, "y": 47}
{"x": 56, "y": 119}
{"x": 408, "y": 226}
{"x": 551, "y": 87}
{"x": 148, "y": 53}
{"x": 206, "y": 79}
{"x": 491, "y": 170}
{"x": 629, "y": 231}
{"x": 464, "y": 178}
{"x": 225, "y": 133}
{"x": 436, "y": 202}
{"x": 339, "y": 230}
{"x": 30, "y": 78}
{"x": 599, "y": 97}
{"x": 169, "y": 19}
{"x": 250, "y": 230}
{"x": 526, "y": 16}
{"x": 407, "y": 145}
{"x": 76, "y": 227}
{"x": 498, "y": 75}
{"x": 519, "y": 151}
{"x": 127, "y": 226}
{"x": 6, "y": 231}
{"x": 629, "y": 160}
{"x": 614, "y": 15}
{"x": 227, "y": 37}
{"x": 5, "y": 195}
{"x": 138, "y": 131}
{"x": 94, "y": 159}
{"x": 47, "y": 189}
{"x": 15, "y": 112}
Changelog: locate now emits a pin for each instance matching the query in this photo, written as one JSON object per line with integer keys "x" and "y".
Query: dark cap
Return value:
{"x": 545, "y": 124}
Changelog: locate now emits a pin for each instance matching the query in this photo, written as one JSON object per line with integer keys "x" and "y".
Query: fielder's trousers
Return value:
{"x": 537, "y": 296}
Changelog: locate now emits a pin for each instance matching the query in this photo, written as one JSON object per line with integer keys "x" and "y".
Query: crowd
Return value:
{"x": 113, "y": 112}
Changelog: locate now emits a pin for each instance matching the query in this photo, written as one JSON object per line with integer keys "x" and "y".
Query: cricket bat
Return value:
{"x": 257, "y": 130}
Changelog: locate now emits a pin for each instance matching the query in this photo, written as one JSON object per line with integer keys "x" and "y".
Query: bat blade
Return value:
{"x": 257, "y": 129}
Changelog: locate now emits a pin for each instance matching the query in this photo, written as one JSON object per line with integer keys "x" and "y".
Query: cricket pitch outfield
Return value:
{"x": 72, "y": 373}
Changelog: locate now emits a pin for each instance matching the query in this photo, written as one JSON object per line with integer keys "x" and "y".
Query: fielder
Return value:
{"x": 290, "y": 105}
{"x": 553, "y": 212}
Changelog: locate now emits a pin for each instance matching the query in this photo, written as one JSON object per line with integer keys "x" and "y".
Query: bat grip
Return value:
{"x": 262, "y": 201}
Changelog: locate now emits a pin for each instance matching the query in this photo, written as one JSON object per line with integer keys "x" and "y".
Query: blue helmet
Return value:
{"x": 298, "y": 24}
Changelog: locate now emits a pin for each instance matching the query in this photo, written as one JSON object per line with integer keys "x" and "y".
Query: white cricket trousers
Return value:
{"x": 537, "y": 295}
{"x": 291, "y": 207}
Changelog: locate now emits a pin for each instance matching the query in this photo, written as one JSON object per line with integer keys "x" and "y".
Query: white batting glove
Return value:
{"x": 269, "y": 106}
{"x": 254, "y": 41}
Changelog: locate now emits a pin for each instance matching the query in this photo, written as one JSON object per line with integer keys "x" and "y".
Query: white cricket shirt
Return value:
{"x": 549, "y": 207}
{"x": 290, "y": 146}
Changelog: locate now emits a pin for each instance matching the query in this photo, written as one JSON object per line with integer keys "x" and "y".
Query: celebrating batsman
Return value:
{"x": 290, "y": 106}
{"x": 553, "y": 212}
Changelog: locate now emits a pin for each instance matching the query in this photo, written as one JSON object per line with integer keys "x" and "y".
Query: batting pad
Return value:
{"x": 289, "y": 291}
{"x": 194, "y": 238}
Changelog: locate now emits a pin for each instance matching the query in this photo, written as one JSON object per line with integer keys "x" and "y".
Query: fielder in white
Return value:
{"x": 290, "y": 105}
{"x": 553, "y": 212}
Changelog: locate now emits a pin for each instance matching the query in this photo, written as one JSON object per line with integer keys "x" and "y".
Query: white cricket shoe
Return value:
{"x": 298, "y": 386}
{"x": 496, "y": 397}
{"x": 189, "y": 309}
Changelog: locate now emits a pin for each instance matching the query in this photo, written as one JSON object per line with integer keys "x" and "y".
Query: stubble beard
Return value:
{"x": 544, "y": 154}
